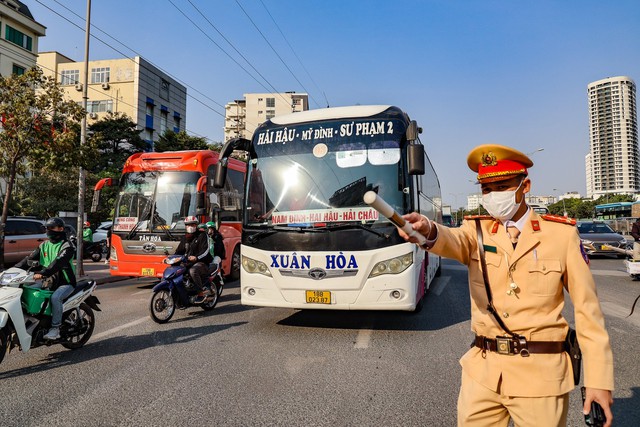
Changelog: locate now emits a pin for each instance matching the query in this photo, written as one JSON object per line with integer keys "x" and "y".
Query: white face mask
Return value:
{"x": 502, "y": 204}
{"x": 190, "y": 229}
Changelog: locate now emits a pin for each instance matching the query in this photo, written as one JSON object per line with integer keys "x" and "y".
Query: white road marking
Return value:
{"x": 440, "y": 284}
{"x": 146, "y": 291}
{"x": 118, "y": 328}
{"x": 363, "y": 339}
{"x": 621, "y": 312}
{"x": 609, "y": 273}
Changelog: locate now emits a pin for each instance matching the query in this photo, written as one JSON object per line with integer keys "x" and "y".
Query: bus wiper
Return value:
{"x": 348, "y": 225}
{"x": 276, "y": 228}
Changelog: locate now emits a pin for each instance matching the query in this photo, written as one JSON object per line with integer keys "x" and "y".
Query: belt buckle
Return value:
{"x": 504, "y": 345}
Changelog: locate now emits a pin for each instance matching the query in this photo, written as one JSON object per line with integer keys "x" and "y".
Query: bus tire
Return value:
{"x": 235, "y": 264}
{"x": 439, "y": 270}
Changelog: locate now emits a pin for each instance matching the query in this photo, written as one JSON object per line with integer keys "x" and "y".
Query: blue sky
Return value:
{"x": 470, "y": 72}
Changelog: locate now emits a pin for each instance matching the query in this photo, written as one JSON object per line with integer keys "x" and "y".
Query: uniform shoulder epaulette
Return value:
{"x": 559, "y": 218}
{"x": 470, "y": 217}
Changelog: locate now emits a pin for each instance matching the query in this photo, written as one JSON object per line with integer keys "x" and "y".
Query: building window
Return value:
{"x": 99, "y": 106}
{"x": 18, "y": 70}
{"x": 270, "y": 114}
{"x": 271, "y": 103}
{"x": 69, "y": 77}
{"x": 176, "y": 122}
{"x": 100, "y": 75}
{"x": 149, "y": 110}
{"x": 164, "y": 89}
{"x": 18, "y": 37}
{"x": 163, "y": 122}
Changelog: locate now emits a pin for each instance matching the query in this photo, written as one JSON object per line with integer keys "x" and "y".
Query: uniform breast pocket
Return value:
{"x": 545, "y": 277}
{"x": 492, "y": 260}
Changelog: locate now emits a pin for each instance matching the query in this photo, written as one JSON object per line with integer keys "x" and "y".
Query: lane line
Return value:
{"x": 363, "y": 339}
{"x": 119, "y": 328}
{"x": 146, "y": 291}
{"x": 441, "y": 284}
{"x": 614, "y": 273}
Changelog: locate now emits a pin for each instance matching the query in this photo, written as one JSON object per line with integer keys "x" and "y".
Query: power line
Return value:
{"x": 296, "y": 55}
{"x": 141, "y": 65}
{"x": 234, "y": 48}
{"x": 274, "y": 51}
{"x": 225, "y": 52}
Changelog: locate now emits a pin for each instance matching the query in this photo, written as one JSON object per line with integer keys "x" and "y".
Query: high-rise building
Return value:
{"x": 243, "y": 116}
{"x": 133, "y": 86}
{"x": 613, "y": 162}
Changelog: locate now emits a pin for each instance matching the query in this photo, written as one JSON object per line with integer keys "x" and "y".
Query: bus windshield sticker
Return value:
{"x": 384, "y": 153}
{"x": 125, "y": 223}
{"x": 351, "y": 155}
{"x": 320, "y": 150}
{"x": 315, "y": 216}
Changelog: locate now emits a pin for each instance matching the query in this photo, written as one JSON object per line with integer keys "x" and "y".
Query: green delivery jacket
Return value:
{"x": 56, "y": 260}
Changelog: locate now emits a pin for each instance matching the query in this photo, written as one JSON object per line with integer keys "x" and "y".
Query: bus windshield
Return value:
{"x": 155, "y": 200}
{"x": 322, "y": 181}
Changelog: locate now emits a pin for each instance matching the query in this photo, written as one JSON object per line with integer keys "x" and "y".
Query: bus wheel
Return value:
{"x": 235, "y": 264}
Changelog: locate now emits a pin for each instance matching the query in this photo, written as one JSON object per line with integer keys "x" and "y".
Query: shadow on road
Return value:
{"x": 118, "y": 345}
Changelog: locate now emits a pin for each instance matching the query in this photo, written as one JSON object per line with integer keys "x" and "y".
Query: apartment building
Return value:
{"x": 613, "y": 162}
{"x": 19, "y": 34}
{"x": 133, "y": 86}
{"x": 243, "y": 116}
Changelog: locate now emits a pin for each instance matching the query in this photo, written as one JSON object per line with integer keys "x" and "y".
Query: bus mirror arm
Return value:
{"x": 241, "y": 144}
{"x": 95, "y": 203}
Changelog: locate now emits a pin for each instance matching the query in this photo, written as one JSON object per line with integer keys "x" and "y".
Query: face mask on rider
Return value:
{"x": 502, "y": 204}
{"x": 190, "y": 229}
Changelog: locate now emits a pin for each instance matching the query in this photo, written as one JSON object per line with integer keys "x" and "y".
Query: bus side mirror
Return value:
{"x": 200, "y": 205}
{"x": 415, "y": 159}
{"x": 213, "y": 201}
{"x": 221, "y": 173}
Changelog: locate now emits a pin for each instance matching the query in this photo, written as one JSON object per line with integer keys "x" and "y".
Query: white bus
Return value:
{"x": 308, "y": 239}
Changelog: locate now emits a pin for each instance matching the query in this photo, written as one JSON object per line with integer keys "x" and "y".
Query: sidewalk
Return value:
{"x": 99, "y": 271}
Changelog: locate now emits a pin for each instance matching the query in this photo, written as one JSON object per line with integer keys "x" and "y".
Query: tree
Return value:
{"x": 36, "y": 127}
{"x": 116, "y": 137}
{"x": 172, "y": 141}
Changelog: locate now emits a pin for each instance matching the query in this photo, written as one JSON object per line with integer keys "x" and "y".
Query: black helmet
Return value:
{"x": 54, "y": 222}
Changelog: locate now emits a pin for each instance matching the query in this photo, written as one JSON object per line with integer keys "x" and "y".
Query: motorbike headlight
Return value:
{"x": 254, "y": 266}
{"x": 392, "y": 266}
{"x": 6, "y": 278}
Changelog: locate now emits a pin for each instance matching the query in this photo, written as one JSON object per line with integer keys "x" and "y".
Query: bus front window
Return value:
{"x": 155, "y": 201}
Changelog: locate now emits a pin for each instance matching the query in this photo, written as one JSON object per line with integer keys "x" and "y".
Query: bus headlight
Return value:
{"x": 255, "y": 267}
{"x": 113, "y": 255}
{"x": 392, "y": 266}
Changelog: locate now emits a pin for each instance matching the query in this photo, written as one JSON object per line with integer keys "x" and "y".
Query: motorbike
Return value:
{"x": 177, "y": 290}
{"x": 25, "y": 312}
{"x": 92, "y": 250}
{"x": 632, "y": 265}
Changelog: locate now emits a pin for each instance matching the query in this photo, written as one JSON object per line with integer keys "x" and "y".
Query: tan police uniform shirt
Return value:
{"x": 547, "y": 258}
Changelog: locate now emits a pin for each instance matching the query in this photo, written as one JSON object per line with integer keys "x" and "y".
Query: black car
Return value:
{"x": 594, "y": 234}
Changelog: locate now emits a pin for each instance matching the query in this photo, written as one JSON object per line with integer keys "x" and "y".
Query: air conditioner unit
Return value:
{"x": 93, "y": 115}
{"x": 105, "y": 86}
{"x": 79, "y": 87}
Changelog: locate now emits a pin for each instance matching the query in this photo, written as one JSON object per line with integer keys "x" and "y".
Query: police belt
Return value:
{"x": 517, "y": 345}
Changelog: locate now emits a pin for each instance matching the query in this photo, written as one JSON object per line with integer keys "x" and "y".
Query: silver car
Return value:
{"x": 594, "y": 234}
{"x": 101, "y": 232}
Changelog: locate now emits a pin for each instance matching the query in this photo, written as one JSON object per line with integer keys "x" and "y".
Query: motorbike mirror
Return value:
{"x": 33, "y": 263}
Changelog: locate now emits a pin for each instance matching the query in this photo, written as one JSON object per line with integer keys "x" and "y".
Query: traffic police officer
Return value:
{"x": 529, "y": 260}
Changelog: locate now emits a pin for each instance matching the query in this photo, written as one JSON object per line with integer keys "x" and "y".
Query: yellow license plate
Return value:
{"x": 148, "y": 271}
{"x": 318, "y": 297}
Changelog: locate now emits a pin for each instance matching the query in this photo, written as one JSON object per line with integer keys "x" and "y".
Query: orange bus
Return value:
{"x": 155, "y": 193}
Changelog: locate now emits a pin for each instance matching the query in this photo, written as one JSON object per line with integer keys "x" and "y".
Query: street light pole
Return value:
{"x": 83, "y": 139}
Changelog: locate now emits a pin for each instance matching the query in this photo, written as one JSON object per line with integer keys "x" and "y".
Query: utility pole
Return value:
{"x": 83, "y": 140}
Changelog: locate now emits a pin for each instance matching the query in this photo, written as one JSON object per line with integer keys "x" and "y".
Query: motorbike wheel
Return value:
{"x": 211, "y": 303}
{"x": 96, "y": 256}
{"x": 76, "y": 318}
{"x": 4, "y": 344}
{"x": 162, "y": 306}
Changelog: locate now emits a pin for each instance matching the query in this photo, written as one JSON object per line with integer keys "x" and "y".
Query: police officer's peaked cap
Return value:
{"x": 495, "y": 162}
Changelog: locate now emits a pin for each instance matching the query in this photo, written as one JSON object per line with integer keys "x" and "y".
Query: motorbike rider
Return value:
{"x": 214, "y": 237}
{"x": 194, "y": 245}
{"x": 56, "y": 259}
{"x": 87, "y": 233}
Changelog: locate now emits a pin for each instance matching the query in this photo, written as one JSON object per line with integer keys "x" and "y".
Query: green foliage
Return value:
{"x": 116, "y": 137}
{"x": 38, "y": 129}
{"x": 172, "y": 141}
